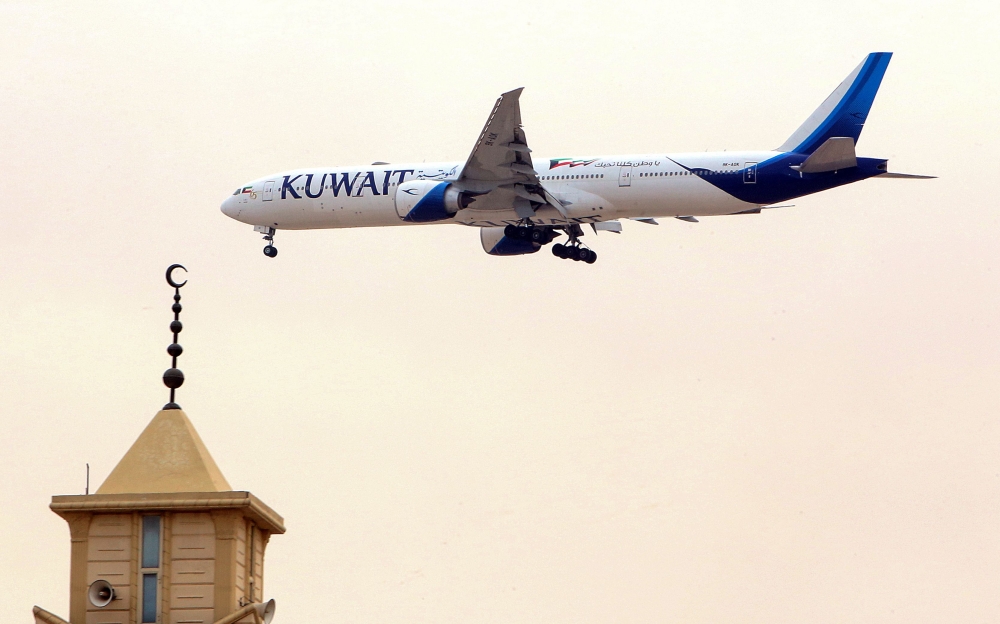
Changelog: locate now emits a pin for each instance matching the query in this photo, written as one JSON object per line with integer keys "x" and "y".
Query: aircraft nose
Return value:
{"x": 229, "y": 207}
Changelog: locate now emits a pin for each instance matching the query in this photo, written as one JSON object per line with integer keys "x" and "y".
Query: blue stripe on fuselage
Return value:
{"x": 778, "y": 182}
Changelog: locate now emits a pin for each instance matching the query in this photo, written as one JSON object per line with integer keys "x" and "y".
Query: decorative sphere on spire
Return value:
{"x": 173, "y": 378}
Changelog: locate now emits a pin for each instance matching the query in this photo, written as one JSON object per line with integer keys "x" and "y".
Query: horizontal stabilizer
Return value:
{"x": 835, "y": 153}
{"x": 906, "y": 176}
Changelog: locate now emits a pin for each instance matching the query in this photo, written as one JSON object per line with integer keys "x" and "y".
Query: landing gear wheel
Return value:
{"x": 537, "y": 235}
{"x": 591, "y": 257}
{"x": 269, "y": 249}
{"x": 559, "y": 250}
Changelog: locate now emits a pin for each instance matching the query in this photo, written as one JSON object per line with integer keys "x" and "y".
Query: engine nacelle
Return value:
{"x": 423, "y": 201}
{"x": 496, "y": 243}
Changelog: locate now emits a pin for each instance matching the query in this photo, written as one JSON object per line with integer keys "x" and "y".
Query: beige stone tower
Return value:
{"x": 176, "y": 544}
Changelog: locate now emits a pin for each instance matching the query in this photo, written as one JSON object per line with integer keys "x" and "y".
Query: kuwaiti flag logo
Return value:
{"x": 569, "y": 162}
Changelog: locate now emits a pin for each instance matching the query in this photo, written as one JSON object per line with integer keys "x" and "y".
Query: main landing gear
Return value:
{"x": 269, "y": 250}
{"x": 533, "y": 233}
{"x": 574, "y": 250}
{"x": 543, "y": 235}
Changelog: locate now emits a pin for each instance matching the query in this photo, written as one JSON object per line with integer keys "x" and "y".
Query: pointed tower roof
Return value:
{"x": 168, "y": 456}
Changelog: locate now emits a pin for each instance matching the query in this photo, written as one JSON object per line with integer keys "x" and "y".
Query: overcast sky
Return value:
{"x": 789, "y": 417}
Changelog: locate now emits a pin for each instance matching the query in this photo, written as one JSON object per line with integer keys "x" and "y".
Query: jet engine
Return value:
{"x": 497, "y": 243}
{"x": 423, "y": 201}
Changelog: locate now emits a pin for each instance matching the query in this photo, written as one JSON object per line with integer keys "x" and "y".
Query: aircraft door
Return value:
{"x": 750, "y": 173}
{"x": 625, "y": 175}
{"x": 269, "y": 190}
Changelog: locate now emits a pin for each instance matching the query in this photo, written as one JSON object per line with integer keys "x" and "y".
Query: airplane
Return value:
{"x": 521, "y": 203}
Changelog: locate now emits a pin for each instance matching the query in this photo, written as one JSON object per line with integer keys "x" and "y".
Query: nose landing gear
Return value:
{"x": 269, "y": 250}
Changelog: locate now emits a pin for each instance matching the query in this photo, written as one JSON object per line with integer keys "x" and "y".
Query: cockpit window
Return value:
{"x": 237, "y": 191}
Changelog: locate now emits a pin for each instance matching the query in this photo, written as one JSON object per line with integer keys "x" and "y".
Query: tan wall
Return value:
{"x": 79, "y": 530}
{"x": 212, "y": 564}
{"x": 241, "y": 562}
{"x": 259, "y": 542}
{"x": 192, "y": 569}
{"x": 111, "y": 555}
{"x": 228, "y": 527}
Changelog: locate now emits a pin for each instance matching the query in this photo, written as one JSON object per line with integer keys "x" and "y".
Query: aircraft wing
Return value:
{"x": 500, "y": 163}
{"x": 501, "y": 153}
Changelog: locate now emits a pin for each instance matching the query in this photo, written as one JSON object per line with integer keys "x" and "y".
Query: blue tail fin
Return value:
{"x": 843, "y": 114}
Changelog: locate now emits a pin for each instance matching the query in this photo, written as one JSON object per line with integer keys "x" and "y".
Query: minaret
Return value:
{"x": 165, "y": 539}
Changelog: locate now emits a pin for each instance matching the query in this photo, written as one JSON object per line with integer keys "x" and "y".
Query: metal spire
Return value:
{"x": 173, "y": 378}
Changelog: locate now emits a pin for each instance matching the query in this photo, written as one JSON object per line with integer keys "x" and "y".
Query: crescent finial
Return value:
{"x": 170, "y": 279}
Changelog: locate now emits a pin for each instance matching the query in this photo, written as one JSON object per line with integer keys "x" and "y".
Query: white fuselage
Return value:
{"x": 591, "y": 190}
